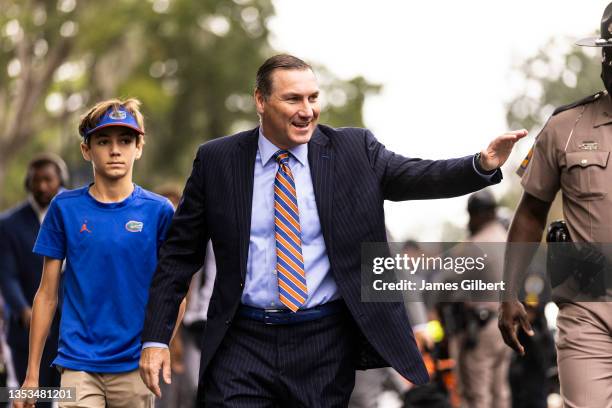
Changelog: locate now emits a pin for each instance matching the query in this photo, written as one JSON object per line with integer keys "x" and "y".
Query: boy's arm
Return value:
{"x": 43, "y": 311}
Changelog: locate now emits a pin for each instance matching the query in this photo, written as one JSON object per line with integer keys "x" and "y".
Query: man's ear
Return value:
{"x": 85, "y": 151}
{"x": 259, "y": 102}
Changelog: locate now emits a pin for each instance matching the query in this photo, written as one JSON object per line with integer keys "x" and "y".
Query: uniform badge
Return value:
{"x": 134, "y": 226}
{"x": 588, "y": 146}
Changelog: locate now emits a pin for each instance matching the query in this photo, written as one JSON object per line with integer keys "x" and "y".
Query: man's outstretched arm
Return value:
{"x": 405, "y": 178}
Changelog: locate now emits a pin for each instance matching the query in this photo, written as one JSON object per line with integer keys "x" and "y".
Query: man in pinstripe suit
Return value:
{"x": 287, "y": 206}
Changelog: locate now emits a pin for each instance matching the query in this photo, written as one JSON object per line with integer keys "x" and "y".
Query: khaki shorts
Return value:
{"x": 95, "y": 390}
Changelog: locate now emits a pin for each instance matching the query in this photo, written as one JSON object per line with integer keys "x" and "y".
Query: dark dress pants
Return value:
{"x": 309, "y": 364}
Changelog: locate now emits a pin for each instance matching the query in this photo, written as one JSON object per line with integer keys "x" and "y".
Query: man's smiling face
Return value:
{"x": 289, "y": 115}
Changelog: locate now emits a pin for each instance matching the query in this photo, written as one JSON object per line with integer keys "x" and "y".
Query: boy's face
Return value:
{"x": 112, "y": 152}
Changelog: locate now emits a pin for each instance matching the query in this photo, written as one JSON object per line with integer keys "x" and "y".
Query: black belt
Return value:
{"x": 286, "y": 316}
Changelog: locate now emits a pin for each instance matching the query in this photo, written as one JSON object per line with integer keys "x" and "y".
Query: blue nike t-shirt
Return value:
{"x": 111, "y": 255}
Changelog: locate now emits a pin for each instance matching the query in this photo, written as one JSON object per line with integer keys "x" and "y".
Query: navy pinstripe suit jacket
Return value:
{"x": 352, "y": 175}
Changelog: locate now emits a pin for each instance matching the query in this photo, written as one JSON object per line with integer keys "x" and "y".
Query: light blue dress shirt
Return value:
{"x": 261, "y": 285}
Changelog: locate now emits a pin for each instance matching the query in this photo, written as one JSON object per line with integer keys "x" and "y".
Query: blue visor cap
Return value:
{"x": 119, "y": 117}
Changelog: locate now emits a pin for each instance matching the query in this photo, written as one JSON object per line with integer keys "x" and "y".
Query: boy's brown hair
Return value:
{"x": 90, "y": 119}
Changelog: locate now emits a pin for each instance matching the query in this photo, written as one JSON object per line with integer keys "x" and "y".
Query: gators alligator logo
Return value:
{"x": 134, "y": 226}
{"x": 117, "y": 115}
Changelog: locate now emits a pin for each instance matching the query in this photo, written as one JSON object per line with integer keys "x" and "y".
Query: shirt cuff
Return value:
{"x": 482, "y": 172}
{"x": 148, "y": 344}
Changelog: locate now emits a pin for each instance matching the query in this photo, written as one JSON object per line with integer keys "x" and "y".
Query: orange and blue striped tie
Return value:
{"x": 292, "y": 290}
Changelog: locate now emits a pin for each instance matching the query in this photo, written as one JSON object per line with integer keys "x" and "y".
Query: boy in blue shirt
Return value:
{"x": 109, "y": 233}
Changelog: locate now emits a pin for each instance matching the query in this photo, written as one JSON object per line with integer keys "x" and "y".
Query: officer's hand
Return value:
{"x": 511, "y": 315}
{"x": 152, "y": 360}
{"x": 498, "y": 151}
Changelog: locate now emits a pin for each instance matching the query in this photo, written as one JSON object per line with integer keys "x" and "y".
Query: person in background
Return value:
{"x": 482, "y": 358}
{"x": 532, "y": 376}
{"x": 21, "y": 270}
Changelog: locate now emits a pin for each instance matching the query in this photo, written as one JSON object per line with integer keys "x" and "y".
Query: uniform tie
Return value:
{"x": 292, "y": 290}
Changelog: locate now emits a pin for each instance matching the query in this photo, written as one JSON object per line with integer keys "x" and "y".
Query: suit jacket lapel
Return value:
{"x": 244, "y": 167}
{"x": 320, "y": 159}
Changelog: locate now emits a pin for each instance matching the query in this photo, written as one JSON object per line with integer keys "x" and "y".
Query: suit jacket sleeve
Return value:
{"x": 180, "y": 256}
{"x": 9, "y": 273}
{"x": 405, "y": 178}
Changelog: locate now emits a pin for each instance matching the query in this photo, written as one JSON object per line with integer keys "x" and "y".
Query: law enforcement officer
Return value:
{"x": 572, "y": 154}
{"x": 481, "y": 356}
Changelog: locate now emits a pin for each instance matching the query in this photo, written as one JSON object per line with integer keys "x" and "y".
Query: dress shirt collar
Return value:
{"x": 267, "y": 150}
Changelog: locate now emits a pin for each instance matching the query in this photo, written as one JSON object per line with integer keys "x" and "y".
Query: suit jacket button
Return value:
{"x": 228, "y": 322}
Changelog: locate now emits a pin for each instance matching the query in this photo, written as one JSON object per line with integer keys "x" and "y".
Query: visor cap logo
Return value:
{"x": 117, "y": 115}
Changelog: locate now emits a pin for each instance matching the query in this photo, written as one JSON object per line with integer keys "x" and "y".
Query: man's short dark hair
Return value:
{"x": 481, "y": 201}
{"x": 263, "y": 80}
{"x": 46, "y": 159}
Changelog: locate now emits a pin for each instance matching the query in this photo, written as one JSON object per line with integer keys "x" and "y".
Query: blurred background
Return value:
{"x": 431, "y": 80}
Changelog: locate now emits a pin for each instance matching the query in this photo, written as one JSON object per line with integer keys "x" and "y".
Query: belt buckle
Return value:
{"x": 271, "y": 316}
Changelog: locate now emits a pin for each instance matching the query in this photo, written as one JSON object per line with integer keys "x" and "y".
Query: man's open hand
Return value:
{"x": 152, "y": 360}
{"x": 498, "y": 151}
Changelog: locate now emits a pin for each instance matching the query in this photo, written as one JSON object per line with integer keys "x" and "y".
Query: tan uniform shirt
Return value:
{"x": 572, "y": 154}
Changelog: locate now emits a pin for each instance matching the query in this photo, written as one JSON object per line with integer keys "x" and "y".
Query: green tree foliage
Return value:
{"x": 559, "y": 74}
{"x": 191, "y": 63}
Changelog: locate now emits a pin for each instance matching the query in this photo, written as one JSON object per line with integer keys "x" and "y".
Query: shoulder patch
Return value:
{"x": 583, "y": 101}
{"x": 521, "y": 169}
{"x": 527, "y": 158}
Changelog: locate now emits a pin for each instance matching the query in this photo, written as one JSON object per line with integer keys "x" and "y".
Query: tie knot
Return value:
{"x": 282, "y": 157}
